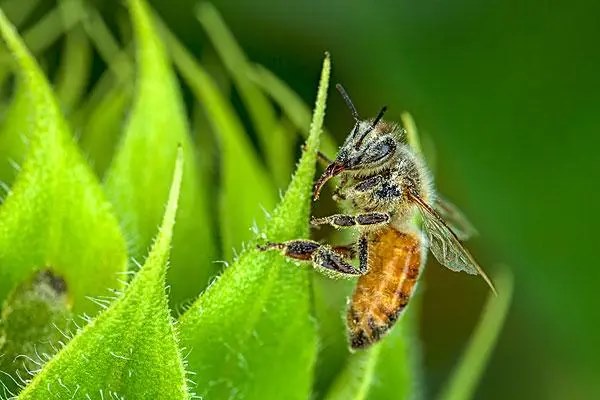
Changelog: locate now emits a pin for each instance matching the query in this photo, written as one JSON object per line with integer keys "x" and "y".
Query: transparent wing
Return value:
{"x": 455, "y": 219}
{"x": 444, "y": 244}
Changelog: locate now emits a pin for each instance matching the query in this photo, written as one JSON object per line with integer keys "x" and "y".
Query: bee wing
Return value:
{"x": 455, "y": 219}
{"x": 444, "y": 243}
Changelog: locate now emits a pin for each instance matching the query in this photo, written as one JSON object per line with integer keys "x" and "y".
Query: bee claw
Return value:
{"x": 269, "y": 246}
{"x": 262, "y": 247}
{"x": 316, "y": 222}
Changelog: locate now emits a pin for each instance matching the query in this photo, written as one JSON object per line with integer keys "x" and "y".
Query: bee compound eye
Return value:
{"x": 379, "y": 151}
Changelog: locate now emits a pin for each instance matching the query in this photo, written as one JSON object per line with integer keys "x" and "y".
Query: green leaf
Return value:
{"x": 355, "y": 380}
{"x": 291, "y": 104}
{"x": 14, "y": 136}
{"x": 130, "y": 350}
{"x": 101, "y": 117}
{"x": 242, "y": 174}
{"x": 399, "y": 360}
{"x": 51, "y": 27}
{"x": 250, "y": 333}
{"x": 34, "y": 317}
{"x": 421, "y": 144}
{"x": 75, "y": 68}
{"x": 412, "y": 135}
{"x": 38, "y": 37}
{"x": 275, "y": 144}
{"x": 468, "y": 372}
{"x": 118, "y": 60}
{"x": 137, "y": 181}
{"x": 330, "y": 302}
{"x": 44, "y": 32}
{"x": 103, "y": 125}
{"x": 56, "y": 205}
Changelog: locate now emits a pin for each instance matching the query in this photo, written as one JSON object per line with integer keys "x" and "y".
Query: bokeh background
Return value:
{"x": 506, "y": 95}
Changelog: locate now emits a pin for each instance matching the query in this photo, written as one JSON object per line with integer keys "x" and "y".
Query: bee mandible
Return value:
{"x": 393, "y": 206}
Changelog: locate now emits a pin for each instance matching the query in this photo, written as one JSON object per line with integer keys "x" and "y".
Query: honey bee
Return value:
{"x": 398, "y": 216}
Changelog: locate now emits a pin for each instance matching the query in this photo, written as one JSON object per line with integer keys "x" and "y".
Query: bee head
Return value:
{"x": 368, "y": 146}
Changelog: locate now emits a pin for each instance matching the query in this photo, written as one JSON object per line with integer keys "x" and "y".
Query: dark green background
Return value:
{"x": 508, "y": 94}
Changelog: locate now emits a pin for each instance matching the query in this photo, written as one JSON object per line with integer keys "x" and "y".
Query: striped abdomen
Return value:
{"x": 382, "y": 294}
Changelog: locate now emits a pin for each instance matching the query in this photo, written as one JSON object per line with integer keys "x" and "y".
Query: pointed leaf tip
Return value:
{"x": 171, "y": 210}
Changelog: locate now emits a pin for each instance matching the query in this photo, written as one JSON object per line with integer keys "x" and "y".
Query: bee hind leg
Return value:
{"x": 323, "y": 257}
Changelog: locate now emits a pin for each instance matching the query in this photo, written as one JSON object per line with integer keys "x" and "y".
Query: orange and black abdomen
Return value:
{"x": 382, "y": 293}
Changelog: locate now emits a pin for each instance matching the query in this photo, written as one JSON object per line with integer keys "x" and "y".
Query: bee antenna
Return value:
{"x": 347, "y": 100}
{"x": 372, "y": 126}
{"x": 378, "y": 117}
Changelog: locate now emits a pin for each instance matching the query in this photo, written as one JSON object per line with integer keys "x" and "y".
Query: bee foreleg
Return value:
{"x": 363, "y": 187}
{"x": 345, "y": 221}
{"x": 323, "y": 257}
{"x": 368, "y": 184}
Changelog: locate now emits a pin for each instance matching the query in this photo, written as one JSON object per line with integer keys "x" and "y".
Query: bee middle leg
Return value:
{"x": 324, "y": 257}
{"x": 345, "y": 221}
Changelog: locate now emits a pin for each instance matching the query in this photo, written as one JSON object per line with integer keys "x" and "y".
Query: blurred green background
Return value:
{"x": 506, "y": 96}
